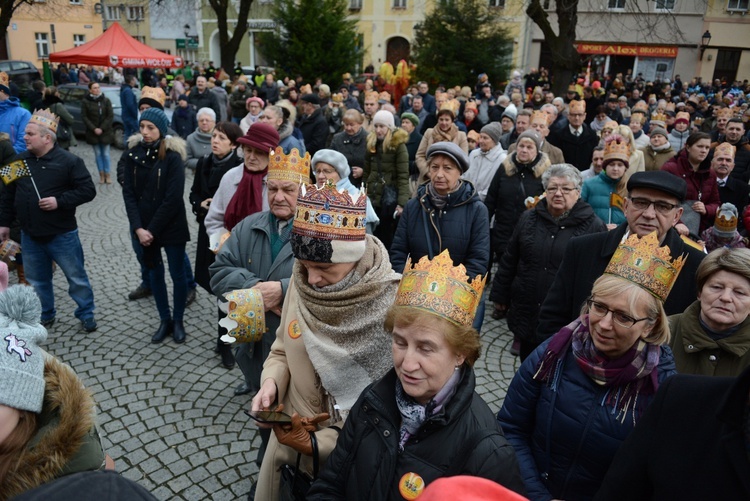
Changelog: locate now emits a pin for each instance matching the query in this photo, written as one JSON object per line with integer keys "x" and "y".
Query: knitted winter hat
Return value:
{"x": 658, "y": 131}
{"x": 156, "y": 117}
{"x": 725, "y": 224}
{"x": 22, "y": 361}
{"x": 534, "y": 136}
{"x": 410, "y": 117}
{"x": 384, "y": 118}
{"x": 494, "y": 130}
{"x": 334, "y": 159}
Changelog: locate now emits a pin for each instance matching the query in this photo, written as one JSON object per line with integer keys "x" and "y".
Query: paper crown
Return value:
{"x": 726, "y": 220}
{"x": 643, "y": 262}
{"x": 725, "y": 150}
{"x": 45, "y": 118}
{"x": 616, "y": 147}
{"x": 577, "y": 106}
{"x": 246, "y": 318}
{"x": 540, "y": 116}
{"x": 682, "y": 115}
{"x": 384, "y": 96}
{"x": 725, "y": 112}
{"x": 659, "y": 119}
{"x": 154, "y": 93}
{"x": 372, "y": 95}
{"x": 291, "y": 167}
{"x": 440, "y": 288}
{"x": 327, "y": 214}
{"x": 4, "y": 80}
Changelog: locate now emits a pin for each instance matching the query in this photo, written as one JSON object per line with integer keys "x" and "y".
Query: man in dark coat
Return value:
{"x": 731, "y": 190}
{"x": 202, "y": 97}
{"x": 690, "y": 445}
{"x": 129, "y": 106}
{"x": 586, "y": 257}
{"x": 734, "y": 135}
{"x": 577, "y": 141}
{"x": 313, "y": 124}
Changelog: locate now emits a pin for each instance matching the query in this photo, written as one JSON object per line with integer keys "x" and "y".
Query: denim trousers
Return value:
{"x": 176, "y": 262}
{"x": 146, "y": 283}
{"x": 66, "y": 251}
{"x": 101, "y": 151}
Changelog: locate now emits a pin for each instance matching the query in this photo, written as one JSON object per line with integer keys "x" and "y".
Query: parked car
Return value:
{"x": 22, "y": 73}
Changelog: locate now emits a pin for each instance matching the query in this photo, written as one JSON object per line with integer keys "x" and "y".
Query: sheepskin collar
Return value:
{"x": 66, "y": 421}
{"x": 538, "y": 166}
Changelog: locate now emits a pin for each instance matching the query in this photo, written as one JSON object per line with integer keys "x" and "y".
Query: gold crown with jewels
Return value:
{"x": 289, "y": 167}
{"x": 643, "y": 262}
{"x": 617, "y": 148}
{"x": 45, "y": 118}
{"x": 440, "y": 288}
{"x": 329, "y": 214}
{"x": 246, "y": 318}
{"x": 659, "y": 119}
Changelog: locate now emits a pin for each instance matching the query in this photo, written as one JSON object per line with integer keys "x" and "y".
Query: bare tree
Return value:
{"x": 7, "y": 8}
{"x": 230, "y": 46}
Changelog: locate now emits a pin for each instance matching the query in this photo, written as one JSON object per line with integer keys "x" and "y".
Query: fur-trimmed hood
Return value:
{"x": 540, "y": 164}
{"x": 285, "y": 130}
{"x": 174, "y": 143}
{"x": 398, "y": 137}
{"x": 65, "y": 430}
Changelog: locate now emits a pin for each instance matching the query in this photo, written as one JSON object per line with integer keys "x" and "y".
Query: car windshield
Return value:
{"x": 114, "y": 96}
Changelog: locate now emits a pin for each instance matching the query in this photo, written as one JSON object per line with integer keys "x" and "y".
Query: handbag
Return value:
{"x": 294, "y": 482}
{"x": 389, "y": 196}
{"x": 63, "y": 133}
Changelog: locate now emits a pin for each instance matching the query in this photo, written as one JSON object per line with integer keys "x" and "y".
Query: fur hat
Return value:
{"x": 334, "y": 159}
{"x": 451, "y": 150}
{"x": 21, "y": 360}
{"x": 494, "y": 130}
{"x": 157, "y": 117}
{"x": 261, "y": 136}
{"x": 384, "y": 118}
{"x": 725, "y": 224}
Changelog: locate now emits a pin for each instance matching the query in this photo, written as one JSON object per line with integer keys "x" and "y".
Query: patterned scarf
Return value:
{"x": 414, "y": 414}
{"x": 626, "y": 377}
{"x": 439, "y": 135}
{"x": 247, "y": 200}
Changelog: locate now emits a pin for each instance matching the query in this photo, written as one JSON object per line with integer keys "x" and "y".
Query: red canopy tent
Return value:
{"x": 115, "y": 47}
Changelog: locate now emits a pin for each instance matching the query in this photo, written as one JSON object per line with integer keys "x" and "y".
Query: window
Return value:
{"x": 664, "y": 4}
{"x": 42, "y": 44}
{"x": 140, "y": 38}
{"x": 355, "y": 4}
{"x": 76, "y": 2}
{"x": 135, "y": 13}
{"x": 616, "y": 4}
{"x": 740, "y": 5}
{"x": 113, "y": 13}
{"x": 498, "y": 4}
{"x": 79, "y": 40}
{"x": 399, "y": 4}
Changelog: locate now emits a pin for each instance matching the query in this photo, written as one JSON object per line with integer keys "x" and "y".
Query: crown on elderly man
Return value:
{"x": 577, "y": 106}
{"x": 725, "y": 150}
{"x": 289, "y": 167}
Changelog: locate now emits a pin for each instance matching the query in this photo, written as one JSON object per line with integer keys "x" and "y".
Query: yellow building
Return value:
{"x": 48, "y": 26}
{"x": 728, "y": 52}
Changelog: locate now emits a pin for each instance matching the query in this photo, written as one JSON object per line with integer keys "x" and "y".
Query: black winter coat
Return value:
{"x": 366, "y": 463}
{"x": 153, "y": 191}
{"x": 353, "y": 148}
{"x": 205, "y": 100}
{"x": 315, "y": 131}
{"x": 462, "y": 227}
{"x": 585, "y": 260}
{"x": 576, "y": 150}
{"x": 96, "y": 113}
{"x": 531, "y": 259}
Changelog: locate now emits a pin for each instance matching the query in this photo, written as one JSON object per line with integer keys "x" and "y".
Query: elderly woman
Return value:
{"x": 352, "y": 143}
{"x": 600, "y": 190}
{"x": 331, "y": 166}
{"x": 578, "y": 396}
{"x": 242, "y": 190}
{"x": 533, "y": 255}
{"x": 199, "y": 142}
{"x": 712, "y": 337}
{"x": 485, "y": 160}
{"x": 331, "y": 343}
{"x": 658, "y": 151}
{"x": 445, "y": 130}
{"x": 423, "y": 420}
{"x": 278, "y": 117}
{"x": 254, "y": 107}
{"x": 518, "y": 178}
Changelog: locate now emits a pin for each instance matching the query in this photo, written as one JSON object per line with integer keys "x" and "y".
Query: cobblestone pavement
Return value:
{"x": 167, "y": 412}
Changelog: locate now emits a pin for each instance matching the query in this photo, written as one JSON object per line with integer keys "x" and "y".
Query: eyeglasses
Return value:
{"x": 600, "y": 310}
{"x": 662, "y": 208}
{"x": 565, "y": 190}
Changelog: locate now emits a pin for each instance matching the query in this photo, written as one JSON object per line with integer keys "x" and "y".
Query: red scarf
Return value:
{"x": 247, "y": 200}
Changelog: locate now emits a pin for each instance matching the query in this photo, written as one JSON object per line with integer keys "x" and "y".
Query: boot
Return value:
{"x": 107, "y": 179}
{"x": 165, "y": 329}
{"x": 101, "y": 177}
{"x": 227, "y": 359}
{"x": 21, "y": 275}
{"x": 178, "y": 333}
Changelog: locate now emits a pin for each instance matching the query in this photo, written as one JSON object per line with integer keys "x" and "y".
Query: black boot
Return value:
{"x": 164, "y": 330}
{"x": 227, "y": 359}
{"x": 178, "y": 334}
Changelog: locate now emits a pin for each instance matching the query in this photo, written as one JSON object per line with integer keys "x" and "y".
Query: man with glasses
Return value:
{"x": 577, "y": 141}
{"x": 653, "y": 204}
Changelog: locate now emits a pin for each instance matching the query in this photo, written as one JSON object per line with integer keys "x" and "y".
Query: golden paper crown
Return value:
{"x": 45, "y": 118}
{"x": 372, "y": 95}
{"x": 337, "y": 98}
{"x": 683, "y": 115}
{"x": 616, "y": 147}
{"x": 577, "y": 106}
{"x": 671, "y": 106}
{"x": 725, "y": 150}
{"x": 155, "y": 93}
{"x": 4, "y": 80}
{"x": 328, "y": 214}
{"x": 540, "y": 116}
{"x": 725, "y": 112}
{"x": 440, "y": 288}
{"x": 291, "y": 167}
{"x": 643, "y": 262}
{"x": 384, "y": 96}
{"x": 725, "y": 224}
{"x": 659, "y": 118}
{"x": 246, "y": 318}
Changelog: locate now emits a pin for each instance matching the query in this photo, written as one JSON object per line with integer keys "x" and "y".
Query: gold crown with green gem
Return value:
{"x": 289, "y": 167}
{"x": 440, "y": 288}
{"x": 643, "y": 262}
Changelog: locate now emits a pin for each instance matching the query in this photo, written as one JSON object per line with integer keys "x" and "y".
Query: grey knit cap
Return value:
{"x": 658, "y": 130}
{"x": 534, "y": 136}
{"x": 494, "y": 130}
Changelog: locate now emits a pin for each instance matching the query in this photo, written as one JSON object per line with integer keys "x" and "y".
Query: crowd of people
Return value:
{"x": 346, "y": 236}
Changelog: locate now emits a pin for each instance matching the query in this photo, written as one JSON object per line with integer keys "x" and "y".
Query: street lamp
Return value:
{"x": 705, "y": 40}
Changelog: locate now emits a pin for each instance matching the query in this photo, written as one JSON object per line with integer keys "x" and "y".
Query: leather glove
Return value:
{"x": 297, "y": 435}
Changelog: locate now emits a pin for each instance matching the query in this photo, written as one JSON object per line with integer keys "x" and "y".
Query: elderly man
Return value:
{"x": 653, "y": 204}
{"x": 577, "y": 141}
{"x": 13, "y": 118}
{"x": 202, "y": 97}
{"x": 313, "y": 124}
{"x": 45, "y": 203}
{"x": 485, "y": 160}
{"x": 258, "y": 255}
{"x": 540, "y": 123}
{"x": 734, "y": 135}
{"x": 731, "y": 189}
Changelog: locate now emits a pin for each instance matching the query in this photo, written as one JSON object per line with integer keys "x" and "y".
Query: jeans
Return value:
{"x": 146, "y": 283}
{"x": 67, "y": 252}
{"x": 176, "y": 260}
{"x": 101, "y": 151}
